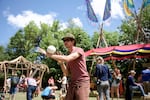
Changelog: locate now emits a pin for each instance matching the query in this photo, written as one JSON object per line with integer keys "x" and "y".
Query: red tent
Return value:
{"x": 122, "y": 52}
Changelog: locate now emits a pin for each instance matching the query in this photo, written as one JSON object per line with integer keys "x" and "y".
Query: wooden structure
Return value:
{"x": 24, "y": 66}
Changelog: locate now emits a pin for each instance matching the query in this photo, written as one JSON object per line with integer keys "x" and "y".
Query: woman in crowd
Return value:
{"x": 116, "y": 77}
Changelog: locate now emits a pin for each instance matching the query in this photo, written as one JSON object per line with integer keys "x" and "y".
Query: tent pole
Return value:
{"x": 134, "y": 62}
{"x": 113, "y": 62}
{"x": 5, "y": 79}
{"x": 100, "y": 38}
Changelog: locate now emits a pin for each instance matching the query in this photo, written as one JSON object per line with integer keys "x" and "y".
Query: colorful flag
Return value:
{"x": 107, "y": 10}
{"x": 90, "y": 12}
{"x": 126, "y": 9}
{"x": 130, "y": 3}
{"x": 146, "y": 3}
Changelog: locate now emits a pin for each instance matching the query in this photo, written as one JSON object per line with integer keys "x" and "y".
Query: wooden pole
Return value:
{"x": 100, "y": 39}
{"x": 5, "y": 79}
{"x": 138, "y": 22}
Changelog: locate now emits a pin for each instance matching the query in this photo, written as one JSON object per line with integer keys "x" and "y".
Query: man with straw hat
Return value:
{"x": 131, "y": 85}
{"x": 74, "y": 66}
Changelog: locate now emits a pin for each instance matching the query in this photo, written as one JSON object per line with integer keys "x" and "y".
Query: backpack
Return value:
{"x": 14, "y": 81}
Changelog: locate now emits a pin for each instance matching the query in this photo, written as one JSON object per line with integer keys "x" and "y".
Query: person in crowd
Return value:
{"x": 74, "y": 66}
{"x": 102, "y": 75}
{"x": 146, "y": 79}
{"x": 8, "y": 85}
{"x": 132, "y": 85}
{"x": 51, "y": 81}
{"x": 48, "y": 93}
{"x": 31, "y": 86}
{"x": 14, "y": 80}
{"x": 22, "y": 79}
{"x": 64, "y": 84}
{"x": 22, "y": 82}
{"x": 59, "y": 82}
{"x": 38, "y": 82}
{"x": 116, "y": 78}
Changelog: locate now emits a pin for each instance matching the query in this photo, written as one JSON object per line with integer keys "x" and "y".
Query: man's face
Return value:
{"x": 133, "y": 74}
{"x": 99, "y": 61}
{"x": 68, "y": 42}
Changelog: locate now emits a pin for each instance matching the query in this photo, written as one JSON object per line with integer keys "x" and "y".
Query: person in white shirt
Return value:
{"x": 8, "y": 84}
{"x": 64, "y": 84}
{"x": 31, "y": 86}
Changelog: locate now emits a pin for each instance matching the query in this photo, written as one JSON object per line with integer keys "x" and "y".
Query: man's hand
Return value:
{"x": 42, "y": 51}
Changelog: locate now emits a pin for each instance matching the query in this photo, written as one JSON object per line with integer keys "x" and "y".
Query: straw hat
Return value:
{"x": 101, "y": 59}
{"x": 68, "y": 36}
{"x": 132, "y": 72}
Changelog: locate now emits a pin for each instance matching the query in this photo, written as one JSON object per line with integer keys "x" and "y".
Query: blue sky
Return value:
{"x": 15, "y": 14}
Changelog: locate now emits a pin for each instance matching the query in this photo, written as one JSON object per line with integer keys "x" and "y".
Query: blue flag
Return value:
{"x": 107, "y": 10}
{"x": 90, "y": 12}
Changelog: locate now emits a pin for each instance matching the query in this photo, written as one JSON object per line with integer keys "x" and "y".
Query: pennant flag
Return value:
{"x": 146, "y": 3}
{"x": 90, "y": 12}
{"x": 126, "y": 9}
{"x": 107, "y": 10}
{"x": 130, "y": 3}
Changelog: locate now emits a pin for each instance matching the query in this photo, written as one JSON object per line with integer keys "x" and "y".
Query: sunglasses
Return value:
{"x": 67, "y": 40}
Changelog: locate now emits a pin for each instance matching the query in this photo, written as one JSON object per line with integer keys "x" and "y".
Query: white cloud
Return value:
{"x": 21, "y": 20}
{"x": 77, "y": 22}
{"x": 116, "y": 8}
{"x": 63, "y": 25}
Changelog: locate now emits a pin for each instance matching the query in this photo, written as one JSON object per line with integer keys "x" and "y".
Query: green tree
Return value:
{"x": 4, "y": 55}
{"x": 128, "y": 31}
{"x": 130, "y": 28}
{"x": 145, "y": 17}
{"x": 16, "y": 46}
{"x": 111, "y": 38}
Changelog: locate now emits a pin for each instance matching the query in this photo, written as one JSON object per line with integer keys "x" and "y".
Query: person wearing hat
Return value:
{"x": 131, "y": 85}
{"x": 74, "y": 66}
{"x": 102, "y": 75}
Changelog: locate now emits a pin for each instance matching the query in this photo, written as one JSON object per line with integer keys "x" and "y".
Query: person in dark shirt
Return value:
{"x": 102, "y": 75}
{"x": 14, "y": 79}
{"x": 132, "y": 85}
{"x": 146, "y": 79}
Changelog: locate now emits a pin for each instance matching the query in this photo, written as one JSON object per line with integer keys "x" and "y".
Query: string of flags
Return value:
{"x": 90, "y": 12}
{"x": 128, "y": 5}
{"x": 107, "y": 10}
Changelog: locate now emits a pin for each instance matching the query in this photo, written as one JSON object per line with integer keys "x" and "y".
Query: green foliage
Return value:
{"x": 16, "y": 46}
{"x": 130, "y": 28}
{"x": 128, "y": 31}
{"x": 95, "y": 39}
{"x": 112, "y": 38}
{"x": 3, "y": 53}
{"x": 145, "y": 17}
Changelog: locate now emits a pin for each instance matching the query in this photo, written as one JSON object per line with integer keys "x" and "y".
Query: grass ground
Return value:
{"x": 22, "y": 96}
